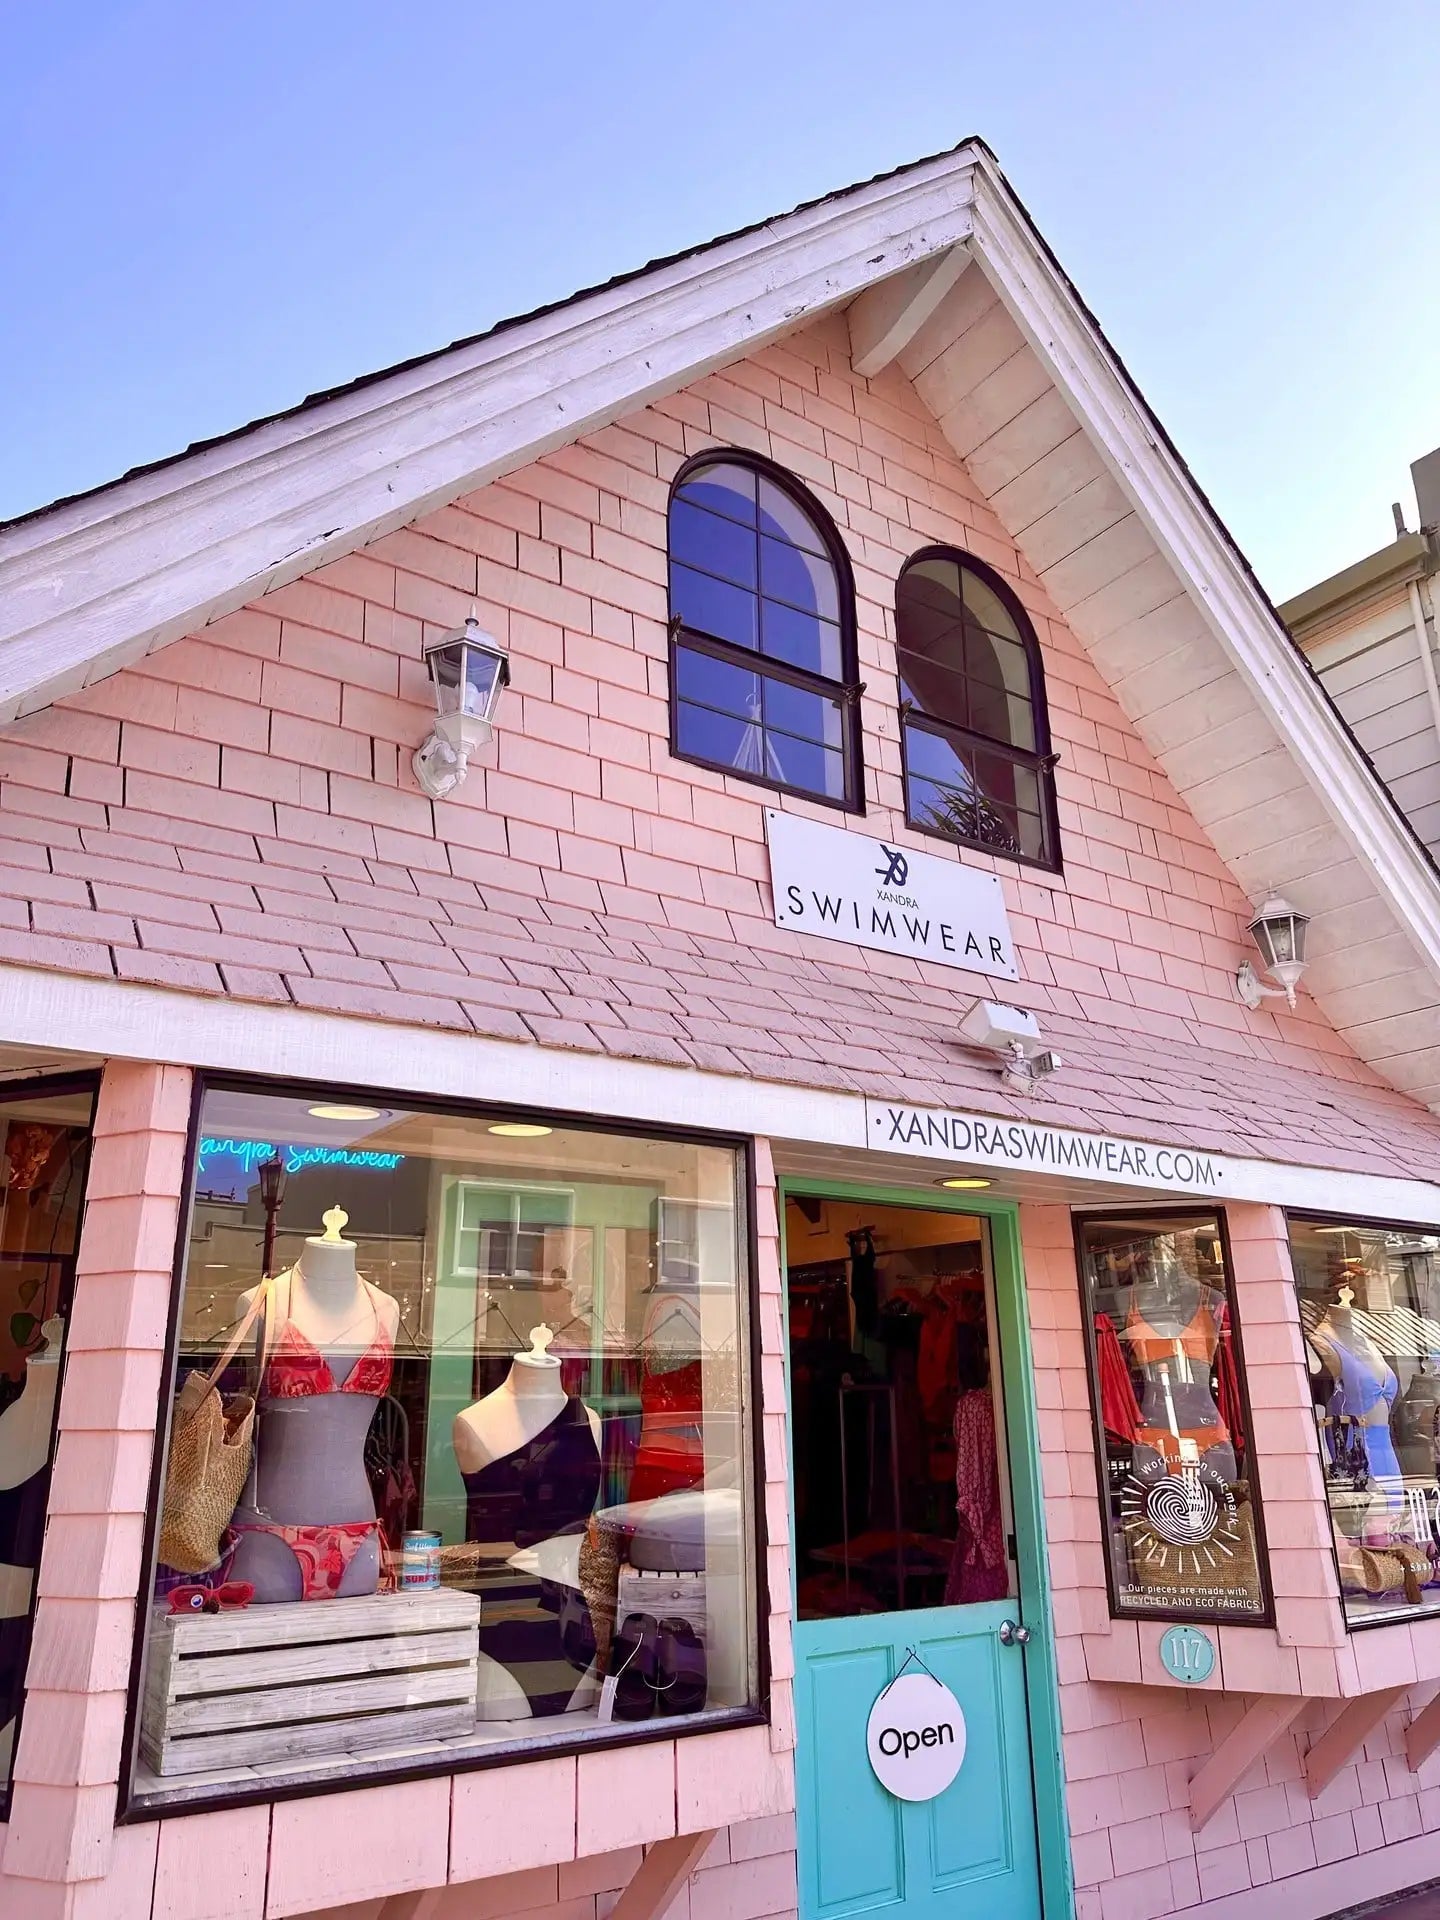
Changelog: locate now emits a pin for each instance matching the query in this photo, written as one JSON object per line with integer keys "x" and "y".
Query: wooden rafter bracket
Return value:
{"x": 1265, "y": 1720}
{"x": 660, "y": 1875}
{"x": 1422, "y": 1736}
{"x": 1358, "y": 1719}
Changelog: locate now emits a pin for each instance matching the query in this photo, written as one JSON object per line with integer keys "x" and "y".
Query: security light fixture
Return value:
{"x": 1279, "y": 933}
{"x": 468, "y": 669}
{"x": 1013, "y": 1032}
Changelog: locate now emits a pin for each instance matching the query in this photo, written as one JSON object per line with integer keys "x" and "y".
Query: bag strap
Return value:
{"x": 233, "y": 1345}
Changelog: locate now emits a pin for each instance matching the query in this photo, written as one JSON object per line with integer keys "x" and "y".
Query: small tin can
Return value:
{"x": 419, "y": 1561}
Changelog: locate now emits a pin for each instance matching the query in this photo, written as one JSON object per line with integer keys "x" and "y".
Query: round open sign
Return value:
{"x": 916, "y": 1737}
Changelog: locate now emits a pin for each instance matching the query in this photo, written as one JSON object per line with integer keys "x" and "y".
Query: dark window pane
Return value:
{"x": 797, "y": 763}
{"x": 718, "y": 737}
{"x": 714, "y": 545}
{"x": 935, "y": 758}
{"x": 711, "y": 606}
{"x": 942, "y": 809}
{"x": 804, "y": 580}
{"x": 985, "y": 606}
{"x": 787, "y": 519}
{"x": 997, "y": 826}
{"x": 998, "y": 662}
{"x": 800, "y": 639}
{"x": 723, "y": 489}
{"x": 1027, "y": 789}
{"x": 995, "y": 777}
{"x": 1032, "y": 836}
{"x": 810, "y": 715}
{"x": 715, "y": 683}
{"x": 934, "y": 689}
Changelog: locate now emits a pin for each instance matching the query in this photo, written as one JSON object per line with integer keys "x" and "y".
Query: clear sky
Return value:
{"x": 207, "y": 212}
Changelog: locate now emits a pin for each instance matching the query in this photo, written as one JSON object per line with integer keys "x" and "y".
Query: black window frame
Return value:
{"x": 1040, "y": 761}
{"x": 846, "y": 691}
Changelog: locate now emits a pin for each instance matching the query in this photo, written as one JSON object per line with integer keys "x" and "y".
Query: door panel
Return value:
{"x": 861, "y": 1867}
{"x": 969, "y": 1854}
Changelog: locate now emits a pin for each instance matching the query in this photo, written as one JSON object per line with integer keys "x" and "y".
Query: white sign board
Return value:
{"x": 982, "y": 1140}
{"x": 846, "y": 886}
{"x": 915, "y": 1737}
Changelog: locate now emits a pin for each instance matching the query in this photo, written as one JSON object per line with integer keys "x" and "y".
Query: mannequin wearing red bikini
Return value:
{"x": 1172, "y": 1330}
{"x": 307, "y": 1522}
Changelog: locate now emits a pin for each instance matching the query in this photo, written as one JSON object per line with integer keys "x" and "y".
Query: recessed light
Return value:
{"x": 519, "y": 1130}
{"x": 1354, "y": 1230}
{"x": 970, "y": 1184}
{"x": 345, "y": 1113}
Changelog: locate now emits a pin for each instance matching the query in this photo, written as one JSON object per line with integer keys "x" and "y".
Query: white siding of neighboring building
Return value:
{"x": 1369, "y": 663}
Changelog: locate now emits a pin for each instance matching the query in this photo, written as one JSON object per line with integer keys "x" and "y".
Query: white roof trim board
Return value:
{"x": 1200, "y": 660}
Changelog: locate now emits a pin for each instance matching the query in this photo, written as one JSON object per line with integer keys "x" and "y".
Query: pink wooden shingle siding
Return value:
{"x": 237, "y": 814}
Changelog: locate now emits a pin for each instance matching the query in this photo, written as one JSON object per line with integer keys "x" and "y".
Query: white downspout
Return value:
{"x": 1427, "y": 659}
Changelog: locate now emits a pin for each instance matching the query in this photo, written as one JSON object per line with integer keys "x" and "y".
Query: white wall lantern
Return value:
{"x": 1279, "y": 933}
{"x": 468, "y": 669}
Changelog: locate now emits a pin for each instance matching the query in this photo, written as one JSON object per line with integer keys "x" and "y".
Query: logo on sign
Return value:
{"x": 897, "y": 872}
{"x": 915, "y": 1737}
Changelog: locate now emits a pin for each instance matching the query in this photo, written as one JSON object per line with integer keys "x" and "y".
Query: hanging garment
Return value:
{"x": 864, "y": 1281}
{"x": 1227, "y": 1379}
{"x": 977, "y": 1566}
{"x": 1119, "y": 1409}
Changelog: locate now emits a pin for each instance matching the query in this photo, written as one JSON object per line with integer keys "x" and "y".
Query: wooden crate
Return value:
{"x": 262, "y": 1684}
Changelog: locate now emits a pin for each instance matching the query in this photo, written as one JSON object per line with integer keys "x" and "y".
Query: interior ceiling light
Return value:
{"x": 970, "y": 1183}
{"x": 519, "y": 1130}
{"x": 344, "y": 1113}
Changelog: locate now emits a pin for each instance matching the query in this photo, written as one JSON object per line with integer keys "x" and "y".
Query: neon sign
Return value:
{"x": 251, "y": 1154}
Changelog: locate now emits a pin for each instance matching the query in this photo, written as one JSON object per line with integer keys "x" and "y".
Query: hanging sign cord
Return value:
{"x": 910, "y": 1655}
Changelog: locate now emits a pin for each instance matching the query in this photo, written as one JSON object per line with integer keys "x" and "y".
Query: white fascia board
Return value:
{"x": 105, "y": 579}
{"x": 129, "y": 1021}
{"x": 1165, "y": 497}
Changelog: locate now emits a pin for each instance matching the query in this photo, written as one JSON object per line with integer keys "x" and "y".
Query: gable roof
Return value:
{"x": 1026, "y": 389}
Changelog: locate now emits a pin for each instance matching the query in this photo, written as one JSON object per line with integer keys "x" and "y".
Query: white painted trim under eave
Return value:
{"x": 103, "y": 580}
{"x": 1164, "y": 496}
{"x": 113, "y": 1019}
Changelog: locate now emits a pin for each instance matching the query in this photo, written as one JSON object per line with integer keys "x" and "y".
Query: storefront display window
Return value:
{"x": 44, "y": 1154}
{"x": 1180, "y": 1507}
{"x": 459, "y": 1452}
{"x": 1370, "y": 1313}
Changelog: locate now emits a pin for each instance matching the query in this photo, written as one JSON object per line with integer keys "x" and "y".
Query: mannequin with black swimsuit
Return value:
{"x": 26, "y": 1427}
{"x": 1172, "y": 1331}
{"x": 529, "y": 1455}
{"x": 307, "y": 1521}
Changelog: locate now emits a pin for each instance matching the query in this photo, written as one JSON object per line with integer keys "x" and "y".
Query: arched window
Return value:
{"x": 762, "y": 630}
{"x": 974, "y": 732}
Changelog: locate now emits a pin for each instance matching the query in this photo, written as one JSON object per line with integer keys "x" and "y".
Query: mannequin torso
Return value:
{"x": 518, "y": 1411}
{"x": 329, "y": 1338}
{"x": 1173, "y": 1329}
{"x": 27, "y": 1423}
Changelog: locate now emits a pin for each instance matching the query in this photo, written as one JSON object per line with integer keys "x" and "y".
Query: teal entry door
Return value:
{"x": 904, "y": 1552}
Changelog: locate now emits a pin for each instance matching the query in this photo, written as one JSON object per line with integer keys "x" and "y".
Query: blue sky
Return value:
{"x": 206, "y": 213}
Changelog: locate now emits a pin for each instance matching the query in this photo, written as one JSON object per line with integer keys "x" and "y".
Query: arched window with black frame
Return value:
{"x": 762, "y": 632}
{"x": 975, "y": 735}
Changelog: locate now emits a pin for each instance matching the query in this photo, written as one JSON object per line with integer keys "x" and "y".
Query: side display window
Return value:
{"x": 1181, "y": 1515}
{"x": 1370, "y": 1313}
{"x": 459, "y": 1453}
{"x": 44, "y": 1156}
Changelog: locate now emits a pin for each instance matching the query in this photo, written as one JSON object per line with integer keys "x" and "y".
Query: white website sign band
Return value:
{"x": 980, "y": 1139}
{"x": 846, "y": 886}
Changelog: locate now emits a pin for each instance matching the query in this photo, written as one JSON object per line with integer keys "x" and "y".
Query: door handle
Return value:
{"x": 1013, "y": 1635}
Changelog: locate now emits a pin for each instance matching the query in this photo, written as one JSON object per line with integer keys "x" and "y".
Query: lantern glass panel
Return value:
{"x": 482, "y": 677}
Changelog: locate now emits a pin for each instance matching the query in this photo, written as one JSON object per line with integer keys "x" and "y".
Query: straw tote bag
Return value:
{"x": 209, "y": 1460}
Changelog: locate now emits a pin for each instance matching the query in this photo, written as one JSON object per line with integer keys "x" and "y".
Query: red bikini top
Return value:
{"x": 297, "y": 1370}
{"x": 1197, "y": 1339}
